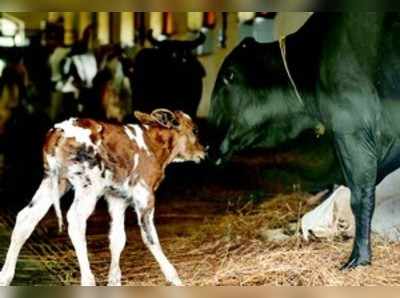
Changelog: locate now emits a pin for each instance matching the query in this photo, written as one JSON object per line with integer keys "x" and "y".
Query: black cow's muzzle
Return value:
{"x": 216, "y": 157}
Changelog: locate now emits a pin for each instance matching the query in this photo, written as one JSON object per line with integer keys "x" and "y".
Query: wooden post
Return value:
{"x": 103, "y": 27}
{"x": 85, "y": 20}
{"x": 180, "y": 23}
{"x": 53, "y": 16}
{"x": 140, "y": 27}
{"x": 127, "y": 29}
{"x": 156, "y": 23}
{"x": 168, "y": 26}
{"x": 195, "y": 20}
{"x": 68, "y": 28}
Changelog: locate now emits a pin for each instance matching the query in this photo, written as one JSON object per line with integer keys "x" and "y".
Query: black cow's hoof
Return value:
{"x": 354, "y": 263}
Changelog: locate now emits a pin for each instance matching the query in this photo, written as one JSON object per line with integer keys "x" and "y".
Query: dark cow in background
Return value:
{"x": 346, "y": 68}
{"x": 23, "y": 125}
{"x": 111, "y": 86}
{"x": 168, "y": 75}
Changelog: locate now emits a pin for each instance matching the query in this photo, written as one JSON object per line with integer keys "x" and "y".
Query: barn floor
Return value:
{"x": 210, "y": 243}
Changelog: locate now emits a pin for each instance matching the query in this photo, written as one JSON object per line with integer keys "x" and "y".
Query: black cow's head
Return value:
{"x": 177, "y": 50}
{"x": 253, "y": 104}
{"x": 168, "y": 75}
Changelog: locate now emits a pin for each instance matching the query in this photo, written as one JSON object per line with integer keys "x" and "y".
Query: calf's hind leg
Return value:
{"x": 144, "y": 202}
{"x": 84, "y": 203}
{"x": 27, "y": 220}
{"x": 117, "y": 208}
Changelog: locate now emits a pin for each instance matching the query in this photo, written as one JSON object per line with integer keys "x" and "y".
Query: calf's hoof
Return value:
{"x": 88, "y": 281}
{"x": 174, "y": 280}
{"x": 5, "y": 280}
{"x": 114, "y": 283}
{"x": 177, "y": 282}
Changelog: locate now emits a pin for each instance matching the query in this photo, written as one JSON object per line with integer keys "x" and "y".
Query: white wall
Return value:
{"x": 213, "y": 62}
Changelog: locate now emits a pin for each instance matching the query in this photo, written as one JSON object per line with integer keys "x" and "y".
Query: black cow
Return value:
{"x": 347, "y": 70}
{"x": 168, "y": 75}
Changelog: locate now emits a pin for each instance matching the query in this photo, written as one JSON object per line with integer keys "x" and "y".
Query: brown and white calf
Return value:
{"x": 125, "y": 164}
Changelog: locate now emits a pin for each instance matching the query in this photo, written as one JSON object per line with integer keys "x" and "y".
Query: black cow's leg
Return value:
{"x": 359, "y": 163}
{"x": 362, "y": 204}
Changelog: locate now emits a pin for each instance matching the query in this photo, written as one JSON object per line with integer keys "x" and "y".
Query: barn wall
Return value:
{"x": 32, "y": 20}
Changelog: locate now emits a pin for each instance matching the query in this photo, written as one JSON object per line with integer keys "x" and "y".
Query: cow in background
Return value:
{"x": 78, "y": 69}
{"x": 168, "y": 75}
{"x": 111, "y": 86}
{"x": 22, "y": 129}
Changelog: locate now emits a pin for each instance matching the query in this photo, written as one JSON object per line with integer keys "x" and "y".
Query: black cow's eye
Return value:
{"x": 229, "y": 77}
{"x": 196, "y": 131}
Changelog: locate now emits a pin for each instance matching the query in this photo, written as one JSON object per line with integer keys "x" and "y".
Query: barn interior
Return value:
{"x": 238, "y": 224}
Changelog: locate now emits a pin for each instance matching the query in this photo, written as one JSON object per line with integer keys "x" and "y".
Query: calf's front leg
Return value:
{"x": 77, "y": 216}
{"x": 144, "y": 207}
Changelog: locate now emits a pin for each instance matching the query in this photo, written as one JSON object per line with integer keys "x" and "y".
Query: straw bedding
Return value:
{"x": 225, "y": 248}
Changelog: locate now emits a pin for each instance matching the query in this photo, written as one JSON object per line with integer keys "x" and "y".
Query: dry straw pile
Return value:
{"x": 228, "y": 248}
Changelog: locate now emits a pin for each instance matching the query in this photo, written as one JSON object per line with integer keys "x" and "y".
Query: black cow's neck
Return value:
{"x": 303, "y": 54}
{"x": 290, "y": 119}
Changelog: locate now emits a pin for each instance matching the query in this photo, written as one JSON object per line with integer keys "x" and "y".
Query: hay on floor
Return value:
{"x": 226, "y": 248}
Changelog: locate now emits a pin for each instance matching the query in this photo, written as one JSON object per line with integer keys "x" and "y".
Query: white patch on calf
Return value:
{"x": 136, "y": 161}
{"x": 80, "y": 175}
{"x": 81, "y": 135}
{"x": 140, "y": 194}
{"x": 53, "y": 164}
{"x": 138, "y": 137}
{"x": 129, "y": 133}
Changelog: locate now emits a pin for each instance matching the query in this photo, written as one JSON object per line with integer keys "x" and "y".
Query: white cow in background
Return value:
{"x": 334, "y": 217}
{"x": 66, "y": 68}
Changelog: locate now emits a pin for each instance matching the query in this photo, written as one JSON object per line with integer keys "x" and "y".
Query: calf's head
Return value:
{"x": 174, "y": 131}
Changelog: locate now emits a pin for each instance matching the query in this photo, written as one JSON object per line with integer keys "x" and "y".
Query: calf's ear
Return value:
{"x": 143, "y": 117}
